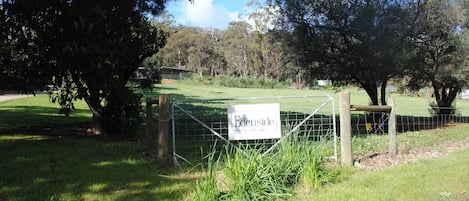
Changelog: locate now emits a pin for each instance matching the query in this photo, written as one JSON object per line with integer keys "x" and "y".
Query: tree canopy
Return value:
{"x": 440, "y": 47}
{"x": 88, "y": 49}
{"x": 347, "y": 41}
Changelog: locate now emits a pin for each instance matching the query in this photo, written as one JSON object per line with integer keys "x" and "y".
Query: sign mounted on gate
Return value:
{"x": 254, "y": 121}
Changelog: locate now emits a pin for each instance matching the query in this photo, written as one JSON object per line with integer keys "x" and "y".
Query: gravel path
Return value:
{"x": 378, "y": 161}
{"x": 6, "y": 97}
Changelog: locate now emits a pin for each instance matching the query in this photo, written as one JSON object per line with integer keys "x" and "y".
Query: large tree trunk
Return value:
{"x": 383, "y": 93}
{"x": 99, "y": 124}
{"x": 444, "y": 98}
{"x": 372, "y": 91}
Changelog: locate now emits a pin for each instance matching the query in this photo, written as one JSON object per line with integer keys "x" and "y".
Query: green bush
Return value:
{"x": 248, "y": 174}
{"x": 242, "y": 82}
{"x": 251, "y": 176}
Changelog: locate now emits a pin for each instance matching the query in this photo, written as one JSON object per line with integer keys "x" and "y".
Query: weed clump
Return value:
{"x": 249, "y": 174}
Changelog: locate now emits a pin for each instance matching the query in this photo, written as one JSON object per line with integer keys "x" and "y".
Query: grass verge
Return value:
{"x": 38, "y": 111}
{"x": 437, "y": 179}
{"x": 430, "y": 139}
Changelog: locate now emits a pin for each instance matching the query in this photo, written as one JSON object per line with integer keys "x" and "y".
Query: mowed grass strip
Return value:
{"x": 405, "y": 105}
{"x": 39, "y": 111}
{"x": 437, "y": 179}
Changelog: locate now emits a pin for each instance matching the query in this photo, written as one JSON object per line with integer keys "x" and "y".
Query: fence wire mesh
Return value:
{"x": 201, "y": 126}
{"x": 367, "y": 126}
{"x": 366, "y": 123}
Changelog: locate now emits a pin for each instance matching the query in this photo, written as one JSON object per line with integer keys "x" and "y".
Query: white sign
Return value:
{"x": 256, "y": 121}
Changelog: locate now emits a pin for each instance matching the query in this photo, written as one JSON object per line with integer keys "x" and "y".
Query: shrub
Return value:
{"x": 251, "y": 175}
{"x": 242, "y": 82}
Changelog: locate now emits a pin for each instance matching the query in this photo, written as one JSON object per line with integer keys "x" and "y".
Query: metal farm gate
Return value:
{"x": 200, "y": 126}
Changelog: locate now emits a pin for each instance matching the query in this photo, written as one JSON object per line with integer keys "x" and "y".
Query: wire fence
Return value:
{"x": 201, "y": 126}
{"x": 365, "y": 123}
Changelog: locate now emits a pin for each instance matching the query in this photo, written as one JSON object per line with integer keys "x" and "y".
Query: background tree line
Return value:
{"x": 237, "y": 51}
{"x": 420, "y": 43}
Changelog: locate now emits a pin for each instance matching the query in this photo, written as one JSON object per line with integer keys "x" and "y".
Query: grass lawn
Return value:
{"x": 437, "y": 179}
{"x": 68, "y": 167}
{"x": 415, "y": 106}
{"x": 71, "y": 168}
{"x": 77, "y": 168}
{"x": 38, "y": 111}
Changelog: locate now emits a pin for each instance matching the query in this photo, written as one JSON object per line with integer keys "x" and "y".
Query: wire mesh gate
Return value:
{"x": 201, "y": 126}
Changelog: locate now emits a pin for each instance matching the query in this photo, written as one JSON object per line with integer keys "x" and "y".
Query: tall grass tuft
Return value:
{"x": 206, "y": 189}
{"x": 248, "y": 174}
{"x": 251, "y": 176}
{"x": 306, "y": 162}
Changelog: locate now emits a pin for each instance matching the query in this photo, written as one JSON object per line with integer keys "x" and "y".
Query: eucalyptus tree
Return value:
{"x": 192, "y": 48}
{"x": 89, "y": 49}
{"x": 215, "y": 62}
{"x": 441, "y": 46}
{"x": 176, "y": 51}
{"x": 260, "y": 20}
{"x": 276, "y": 56}
{"x": 348, "y": 41}
{"x": 236, "y": 48}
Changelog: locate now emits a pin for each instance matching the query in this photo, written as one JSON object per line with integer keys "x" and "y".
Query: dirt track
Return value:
{"x": 377, "y": 161}
{"x": 6, "y": 97}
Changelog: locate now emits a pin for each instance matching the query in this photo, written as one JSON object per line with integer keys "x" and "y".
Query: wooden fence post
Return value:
{"x": 163, "y": 130}
{"x": 392, "y": 128}
{"x": 149, "y": 120}
{"x": 345, "y": 129}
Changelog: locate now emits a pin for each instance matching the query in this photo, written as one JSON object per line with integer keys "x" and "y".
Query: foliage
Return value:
{"x": 441, "y": 43}
{"x": 237, "y": 51}
{"x": 356, "y": 41}
{"x": 250, "y": 175}
{"x": 88, "y": 48}
{"x": 207, "y": 189}
{"x": 243, "y": 82}
{"x": 193, "y": 48}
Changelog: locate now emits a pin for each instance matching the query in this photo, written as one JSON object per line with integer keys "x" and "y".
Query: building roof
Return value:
{"x": 174, "y": 69}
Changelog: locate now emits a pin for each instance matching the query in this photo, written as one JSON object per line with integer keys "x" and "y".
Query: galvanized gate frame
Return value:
{"x": 175, "y": 105}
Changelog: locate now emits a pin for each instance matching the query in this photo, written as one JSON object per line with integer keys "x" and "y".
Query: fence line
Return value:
{"x": 197, "y": 125}
{"x": 376, "y": 123}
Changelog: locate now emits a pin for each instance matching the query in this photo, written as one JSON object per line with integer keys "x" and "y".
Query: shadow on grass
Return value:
{"x": 23, "y": 118}
{"x": 66, "y": 168}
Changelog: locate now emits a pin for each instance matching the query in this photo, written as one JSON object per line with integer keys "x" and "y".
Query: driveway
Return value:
{"x": 6, "y": 97}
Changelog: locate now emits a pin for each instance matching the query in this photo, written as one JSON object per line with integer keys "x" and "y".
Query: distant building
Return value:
{"x": 173, "y": 73}
{"x": 464, "y": 94}
{"x": 324, "y": 82}
{"x": 141, "y": 73}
